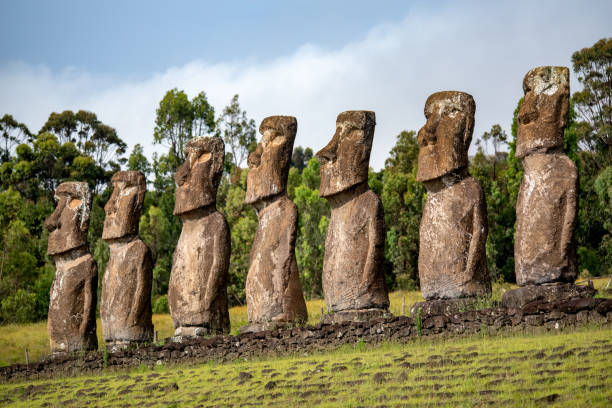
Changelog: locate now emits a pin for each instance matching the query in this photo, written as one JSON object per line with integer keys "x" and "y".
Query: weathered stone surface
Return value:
{"x": 544, "y": 111}
{"x": 273, "y": 290}
{"x": 69, "y": 223}
{"x": 453, "y": 231}
{"x": 362, "y": 315}
{"x": 197, "y": 292}
{"x": 353, "y": 277}
{"x": 125, "y": 306}
{"x": 72, "y": 302}
{"x": 553, "y": 292}
{"x": 444, "y": 307}
{"x": 546, "y": 208}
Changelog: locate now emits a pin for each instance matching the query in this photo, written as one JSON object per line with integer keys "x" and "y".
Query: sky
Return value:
{"x": 309, "y": 59}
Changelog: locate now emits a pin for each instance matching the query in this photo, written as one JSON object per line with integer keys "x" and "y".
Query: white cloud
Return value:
{"x": 481, "y": 48}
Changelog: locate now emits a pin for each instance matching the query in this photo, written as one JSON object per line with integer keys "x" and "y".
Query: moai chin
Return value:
{"x": 72, "y": 302}
{"x": 546, "y": 207}
{"x": 453, "y": 231}
{"x": 197, "y": 292}
{"x": 273, "y": 290}
{"x": 125, "y": 306}
{"x": 353, "y": 277}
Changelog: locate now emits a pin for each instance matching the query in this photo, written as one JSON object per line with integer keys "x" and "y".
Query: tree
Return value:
{"x": 89, "y": 135}
{"x": 301, "y": 157}
{"x": 498, "y": 137}
{"x": 594, "y": 102}
{"x": 238, "y": 132}
{"x": 178, "y": 119}
{"x": 13, "y": 133}
{"x": 403, "y": 199}
{"x": 313, "y": 219}
{"x": 138, "y": 161}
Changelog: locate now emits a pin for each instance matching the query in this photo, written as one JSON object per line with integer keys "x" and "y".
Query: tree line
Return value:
{"x": 78, "y": 146}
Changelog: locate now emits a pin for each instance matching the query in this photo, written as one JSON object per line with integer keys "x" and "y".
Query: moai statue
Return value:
{"x": 125, "y": 307}
{"x": 72, "y": 302}
{"x": 197, "y": 292}
{"x": 453, "y": 231}
{"x": 546, "y": 208}
{"x": 353, "y": 277}
{"x": 273, "y": 291}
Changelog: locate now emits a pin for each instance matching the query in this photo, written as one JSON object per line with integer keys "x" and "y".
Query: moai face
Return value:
{"x": 198, "y": 178}
{"x": 124, "y": 206}
{"x": 544, "y": 111}
{"x": 69, "y": 222}
{"x": 345, "y": 160}
{"x": 445, "y": 139}
{"x": 269, "y": 163}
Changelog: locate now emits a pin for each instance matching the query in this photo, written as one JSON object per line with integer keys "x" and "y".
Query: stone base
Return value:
{"x": 192, "y": 331}
{"x": 120, "y": 345}
{"x": 445, "y": 307}
{"x": 258, "y": 327}
{"x": 362, "y": 315}
{"x": 550, "y": 292}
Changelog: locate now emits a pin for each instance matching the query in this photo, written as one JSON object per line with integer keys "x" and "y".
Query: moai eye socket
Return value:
{"x": 204, "y": 157}
{"x": 74, "y": 203}
{"x": 279, "y": 140}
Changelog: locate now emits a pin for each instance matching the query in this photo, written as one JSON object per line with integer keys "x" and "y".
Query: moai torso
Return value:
{"x": 353, "y": 276}
{"x": 354, "y": 251}
{"x": 545, "y": 212}
{"x": 453, "y": 231}
{"x": 125, "y": 306}
{"x": 72, "y": 303}
{"x": 452, "y": 241}
{"x": 544, "y": 247}
{"x": 197, "y": 292}
{"x": 273, "y": 289}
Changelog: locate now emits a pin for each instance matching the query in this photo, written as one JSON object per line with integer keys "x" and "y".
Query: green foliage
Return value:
{"x": 19, "y": 308}
{"x": 238, "y": 132}
{"x": 403, "y": 199}
{"x": 138, "y": 161}
{"x": 313, "y": 219}
{"x": 594, "y": 102}
{"x": 160, "y": 304}
{"x": 242, "y": 221}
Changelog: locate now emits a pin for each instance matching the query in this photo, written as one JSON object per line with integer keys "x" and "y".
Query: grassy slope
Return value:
{"x": 15, "y": 338}
{"x": 572, "y": 369}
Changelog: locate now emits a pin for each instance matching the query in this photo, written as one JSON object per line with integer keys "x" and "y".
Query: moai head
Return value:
{"x": 544, "y": 111}
{"x": 269, "y": 163}
{"x": 69, "y": 222}
{"x": 445, "y": 139}
{"x": 346, "y": 158}
{"x": 124, "y": 206}
{"x": 198, "y": 178}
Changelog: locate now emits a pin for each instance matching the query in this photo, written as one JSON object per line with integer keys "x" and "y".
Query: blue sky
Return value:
{"x": 309, "y": 59}
{"x": 141, "y": 37}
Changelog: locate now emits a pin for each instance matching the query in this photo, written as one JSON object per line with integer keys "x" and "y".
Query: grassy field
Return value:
{"x": 14, "y": 339}
{"x": 571, "y": 369}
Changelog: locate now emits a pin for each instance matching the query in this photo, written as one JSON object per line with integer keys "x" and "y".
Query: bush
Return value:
{"x": 19, "y": 308}
{"x": 160, "y": 304}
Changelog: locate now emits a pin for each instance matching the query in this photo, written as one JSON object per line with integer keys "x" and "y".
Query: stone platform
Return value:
{"x": 445, "y": 307}
{"x": 552, "y": 292}
{"x": 362, "y": 315}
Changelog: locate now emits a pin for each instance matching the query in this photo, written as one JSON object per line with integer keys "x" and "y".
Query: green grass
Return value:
{"x": 15, "y": 338}
{"x": 521, "y": 370}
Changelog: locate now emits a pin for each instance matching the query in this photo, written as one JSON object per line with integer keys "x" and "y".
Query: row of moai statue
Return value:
{"x": 453, "y": 232}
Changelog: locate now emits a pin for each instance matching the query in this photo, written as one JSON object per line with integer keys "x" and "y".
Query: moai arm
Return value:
{"x": 143, "y": 288}
{"x": 89, "y": 299}
{"x": 569, "y": 220}
{"x": 218, "y": 269}
{"x": 479, "y": 236}
{"x": 376, "y": 241}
